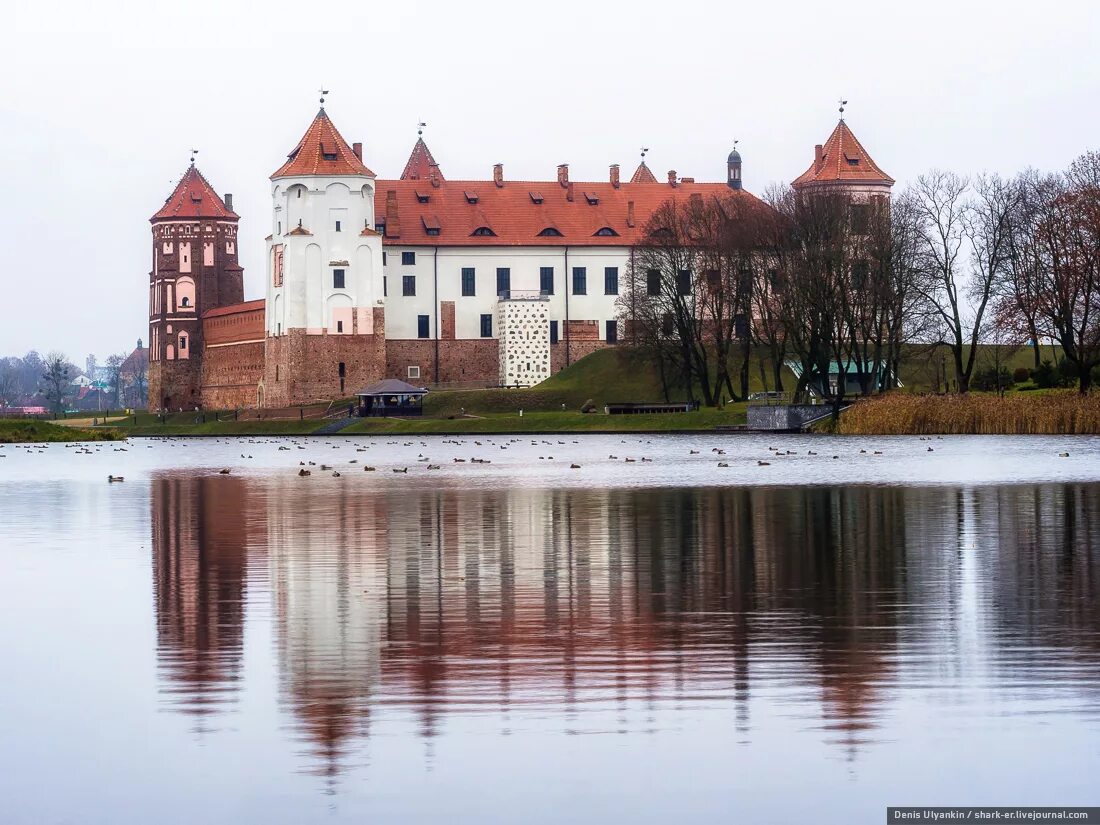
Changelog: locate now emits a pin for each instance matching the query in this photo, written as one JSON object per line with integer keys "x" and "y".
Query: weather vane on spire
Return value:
{"x": 644, "y": 150}
{"x": 193, "y": 153}
{"x": 843, "y": 103}
{"x": 735, "y": 142}
{"x": 420, "y": 128}
{"x": 323, "y": 92}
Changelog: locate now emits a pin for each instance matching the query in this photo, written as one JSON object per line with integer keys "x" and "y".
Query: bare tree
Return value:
{"x": 55, "y": 379}
{"x": 114, "y": 377}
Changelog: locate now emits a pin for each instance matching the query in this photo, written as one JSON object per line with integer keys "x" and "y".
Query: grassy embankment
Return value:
{"x": 1053, "y": 412}
{"x": 23, "y": 430}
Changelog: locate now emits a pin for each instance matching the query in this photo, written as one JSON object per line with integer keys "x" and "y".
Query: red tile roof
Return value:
{"x": 421, "y": 163}
{"x": 233, "y": 309}
{"x": 642, "y": 174}
{"x": 843, "y": 160}
{"x": 193, "y": 197}
{"x": 322, "y": 151}
{"x": 516, "y": 220}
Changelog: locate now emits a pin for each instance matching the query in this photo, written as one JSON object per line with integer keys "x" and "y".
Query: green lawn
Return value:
{"x": 20, "y": 430}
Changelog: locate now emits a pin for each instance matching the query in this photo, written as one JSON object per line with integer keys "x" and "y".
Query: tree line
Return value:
{"x": 842, "y": 283}
{"x": 33, "y": 380}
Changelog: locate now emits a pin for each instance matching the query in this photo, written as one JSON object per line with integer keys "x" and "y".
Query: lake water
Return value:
{"x": 666, "y": 640}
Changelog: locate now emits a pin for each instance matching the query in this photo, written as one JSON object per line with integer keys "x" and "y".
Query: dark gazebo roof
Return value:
{"x": 392, "y": 386}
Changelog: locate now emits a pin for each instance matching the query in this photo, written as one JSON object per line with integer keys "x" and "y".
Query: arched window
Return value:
{"x": 661, "y": 232}
{"x": 483, "y": 231}
{"x": 606, "y": 232}
{"x": 550, "y": 232}
{"x": 185, "y": 301}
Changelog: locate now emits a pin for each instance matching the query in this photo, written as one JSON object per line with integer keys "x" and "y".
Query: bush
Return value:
{"x": 1046, "y": 375}
{"x": 1020, "y": 375}
{"x": 992, "y": 379}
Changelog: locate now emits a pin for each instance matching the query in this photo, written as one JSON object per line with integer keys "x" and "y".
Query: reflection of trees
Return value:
{"x": 199, "y": 568}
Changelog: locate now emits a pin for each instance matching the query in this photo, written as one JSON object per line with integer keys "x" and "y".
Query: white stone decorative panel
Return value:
{"x": 523, "y": 329}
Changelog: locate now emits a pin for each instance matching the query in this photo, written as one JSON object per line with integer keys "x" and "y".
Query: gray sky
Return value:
{"x": 102, "y": 102}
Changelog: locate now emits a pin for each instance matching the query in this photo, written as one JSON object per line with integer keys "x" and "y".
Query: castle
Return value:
{"x": 467, "y": 283}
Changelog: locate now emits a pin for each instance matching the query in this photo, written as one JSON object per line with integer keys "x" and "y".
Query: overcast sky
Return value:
{"x": 102, "y": 102}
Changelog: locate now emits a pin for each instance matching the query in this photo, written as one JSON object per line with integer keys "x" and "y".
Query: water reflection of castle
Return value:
{"x": 587, "y": 605}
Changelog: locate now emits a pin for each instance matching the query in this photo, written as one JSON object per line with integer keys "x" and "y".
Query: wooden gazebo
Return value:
{"x": 391, "y": 397}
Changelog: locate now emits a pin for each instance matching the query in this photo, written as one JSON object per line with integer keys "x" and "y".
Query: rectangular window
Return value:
{"x": 421, "y": 326}
{"x": 408, "y": 285}
{"x": 504, "y": 280}
{"x": 341, "y": 369}
{"x": 413, "y": 372}
{"x": 486, "y": 326}
{"x": 653, "y": 282}
{"x": 338, "y": 226}
{"x": 580, "y": 280}
{"x": 339, "y": 326}
{"x": 469, "y": 281}
{"x": 683, "y": 282}
{"x": 385, "y": 286}
{"x": 408, "y": 259}
{"x": 546, "y": 280}
{"x": 611, "y": 332}
{"x": 610, "y": 280}
{"x": 553, "y": 332}
{"x": 861, "y": 218}
{"x": 337, "y": 279}
{"x": 383, "y": 257}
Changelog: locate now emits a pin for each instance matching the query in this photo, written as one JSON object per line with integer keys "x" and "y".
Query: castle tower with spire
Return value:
{"x": 325, "y": 320}
{"x": 842, "y": 163}
{"x": 194, "y": 270}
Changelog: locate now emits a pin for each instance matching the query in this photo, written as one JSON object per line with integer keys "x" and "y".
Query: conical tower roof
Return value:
{"x": 642, "y": 174}
{"x": 322, "y": 151}
{"x": 843, "y": 160}
{"x": 420, "y": 163}
{"x": 194, "y": 197}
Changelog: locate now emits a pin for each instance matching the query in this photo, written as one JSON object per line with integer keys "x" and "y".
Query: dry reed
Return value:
{"x": 1054, "y": 413}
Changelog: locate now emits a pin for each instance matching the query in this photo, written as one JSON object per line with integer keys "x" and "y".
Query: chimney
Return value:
{"x": 498, "y": 175}
{"x": 433, "y": 175}
{"x": 630, "y": 214}
{"x": 393, "y": 221}
{"x": 563, "y": 175}
{"x": 357, "y": 148}
{"x": 569, "y": 192}
{"x": 615, "y": 175}
{"x": 228, "y": 201}
{"x": 819, "y": 157}
{"x": 671, "y": 177}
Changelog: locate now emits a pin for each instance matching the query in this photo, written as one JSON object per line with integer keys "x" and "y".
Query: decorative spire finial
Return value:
{"x": 420, "y": 128}
{"x": 735, "y": 142}
{"x": 193, "y": 153}
{"x": 323, "y": 92}
{"x": 843, "y": 103}
{"x": 644, "y": 150}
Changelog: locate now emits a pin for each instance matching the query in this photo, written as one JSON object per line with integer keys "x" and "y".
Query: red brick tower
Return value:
{"x": 195, "y": 269}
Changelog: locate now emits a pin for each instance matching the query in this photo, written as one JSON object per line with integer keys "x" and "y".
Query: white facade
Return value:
{"x": 317, "y": 240}
{"x": 437, "y": 277}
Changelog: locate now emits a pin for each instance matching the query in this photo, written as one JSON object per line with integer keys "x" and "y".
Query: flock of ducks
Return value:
{"x": 307, "y": 468}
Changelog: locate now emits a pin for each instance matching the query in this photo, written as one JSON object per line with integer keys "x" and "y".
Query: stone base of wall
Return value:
{"x": 231, "y": 376}
{"x": 302, "y": 369}
{"x": 577, "y": 350}
{"x": 464, "y": 360}
{"x": 175, "y": 385}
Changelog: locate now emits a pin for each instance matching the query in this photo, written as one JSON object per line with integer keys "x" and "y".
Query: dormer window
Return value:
{"x": 328, "y": 152}
{"x": 592, "y": 198}
{"x": 853, "y": 160}
{"x": 422, "y": 197}
{"x": 483, "y": 232}
{"x": 536, "y": 197}
{"x": 550, "y": 232}
{"x": 606, "y": 232}
{"x": 471, "y": 197}
{"x": 431, "y": 225}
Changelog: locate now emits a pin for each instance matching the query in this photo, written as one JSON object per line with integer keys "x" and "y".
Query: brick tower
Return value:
{"x": 195, "y": 269}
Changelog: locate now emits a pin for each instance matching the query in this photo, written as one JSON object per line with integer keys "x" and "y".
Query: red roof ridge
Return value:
{"x": 421, "y": 164}
{"x": 230, "y": 309}
{"x": 322, "y": 151}
{"x": 843, "y": 160}
{"x": 194, "y": 197}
